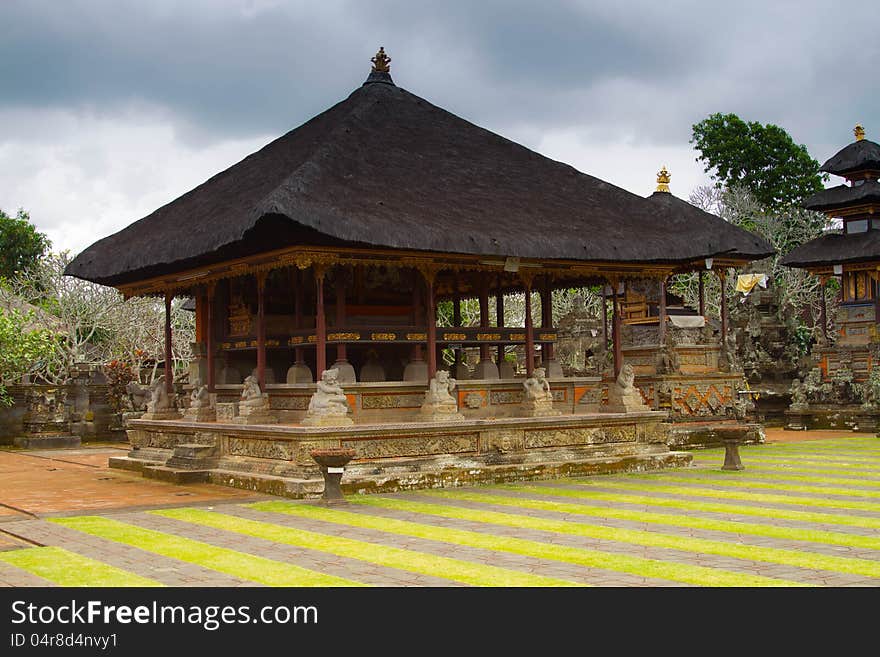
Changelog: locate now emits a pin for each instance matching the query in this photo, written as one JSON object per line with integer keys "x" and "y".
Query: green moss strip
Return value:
{"x": 785, "y": 465}
{"x": 237, "y": 564}
{"x": 673, "y": 520}
{"x": 729, "y": 479}
{"x": 812, "y": 560}
{"x": 699, "y": 575}
{"x": 758, "y": 475}
{"x": 767, "y": 498}
{"x": 409, "y": 560}
{"x": 66, "y": 568}
{"x": 713, "y": 507}
{"x": 793, "y": 458}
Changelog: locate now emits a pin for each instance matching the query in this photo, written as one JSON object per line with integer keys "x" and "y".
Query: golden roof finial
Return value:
{"x": 663, "y": 178}
{"x": 859, "y": 132}
{"x": 381, "y": 62}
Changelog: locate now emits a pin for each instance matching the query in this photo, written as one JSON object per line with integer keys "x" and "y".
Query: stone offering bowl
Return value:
{"x": 332, "y": 462}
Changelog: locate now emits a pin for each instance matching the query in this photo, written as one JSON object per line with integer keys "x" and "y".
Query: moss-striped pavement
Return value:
{"x": 800, "y": 514}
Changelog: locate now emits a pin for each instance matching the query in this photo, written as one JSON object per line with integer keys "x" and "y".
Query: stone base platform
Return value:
{"x": 47, "y": 442}
{"x": 400, "y": 456}
{"x": 699, "y": 435}
{"x": 844, "y": 417}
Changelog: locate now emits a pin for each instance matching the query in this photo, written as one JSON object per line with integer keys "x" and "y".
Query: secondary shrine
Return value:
{"x": 317, "y": 265}
{"x": 841, "y": 390}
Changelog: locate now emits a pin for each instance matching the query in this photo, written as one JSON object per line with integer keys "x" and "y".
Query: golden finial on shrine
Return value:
{"x": 859, "y": 132}
{"x": 381, "y": 62}
{"x": 663, "y": 178}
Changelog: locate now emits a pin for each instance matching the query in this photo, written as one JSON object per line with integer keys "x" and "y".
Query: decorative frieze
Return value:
{"x": 261, "y": 449}
{"x": 417, "y": 445}
{"x": 392, "y": 400}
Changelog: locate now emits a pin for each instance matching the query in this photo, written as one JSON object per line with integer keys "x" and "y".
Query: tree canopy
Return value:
{"x": 763, "y": 159}
{"x": 21, "y": 245}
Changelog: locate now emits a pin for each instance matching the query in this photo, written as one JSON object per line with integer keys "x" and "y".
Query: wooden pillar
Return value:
{"x": 298, "y": 310}
{"x": 547, "y": 316}
{"x": 615, "y": 330}
{"x": 499, "y": 320}
{"x": 823, "y": 310}
{"x": 417, "y": 312}
{"x": 484, "y": 312}
{"x": 341, "y": 350}
{"x": 210, "y": 291}
{"x": 721, "y": 277}
{"x": 456, "y": 315}
{"x": 169, "y": 365}
{"x": 431, "y": 320}
{"x": 661, "y": 329}
{"x": 604, "y": 321}
{"x": 320, "y": 324}
{"x": 530, "y": 331}
{"x": 702, "y": 293}
{"x": 261, "y": 329}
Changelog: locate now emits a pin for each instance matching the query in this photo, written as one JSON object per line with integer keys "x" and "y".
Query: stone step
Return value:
{"x": 47, "y": 442}
{"x": 175, "y": 475}
{"x": 272, "y": 484}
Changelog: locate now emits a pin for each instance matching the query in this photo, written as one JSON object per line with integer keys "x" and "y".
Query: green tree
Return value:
{"x": 21, "y": 245}
{"x": 22, "y": 349}
{"x": 761, "y": 158}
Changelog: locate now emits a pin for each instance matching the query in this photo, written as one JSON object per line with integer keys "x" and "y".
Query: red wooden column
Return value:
{"x": 210, "y": 291}
{"x": 530, "y": 330}
{"x": 546, "y": 316}
{"x": 341, "y": 349}
{"x": 431, "y": 321}
{"x": 320, "y": 324}
{"x": 702, "y": 293}
{"x": 661, "y": 329}
{"x": 261, "y": 329}
{"x": 823, "y": 310}
{"x": 615, "y": 330}
{"x": 417, "y": 313}
{"x": 456, "y": 316}
{"x": 499, "y": 320}
{"x": 604, "y": 322}
{"x": 169, "y": 371}
{"x": 721, "y": 277}
{"x": 484, "y": 312}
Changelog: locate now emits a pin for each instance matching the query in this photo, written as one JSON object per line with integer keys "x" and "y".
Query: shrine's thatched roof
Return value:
{"x": 860, "y": 155}
{"x": 679, "y": 215}
{"x": 844, "y": 196}
{"x": 388, "y": 169}
{"x": 835, "y": 249}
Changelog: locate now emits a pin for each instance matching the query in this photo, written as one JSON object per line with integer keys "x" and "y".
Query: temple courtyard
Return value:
{"x": 804, "y": 512}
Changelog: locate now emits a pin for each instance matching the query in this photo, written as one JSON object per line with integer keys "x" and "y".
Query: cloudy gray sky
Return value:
{"x": 111, "y": 108}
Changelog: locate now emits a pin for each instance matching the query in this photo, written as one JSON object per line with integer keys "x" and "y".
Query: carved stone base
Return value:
{"x": 554, "y": 369}
{"x": 327, "y": 421}
{"x": 168, "y": 414}
{"x": 506, "y": 370}
{"x": 346, "y": 372}
{"x": 538, "y": 408}
{"x": 300, "y": 373}
{"x": 200, "y": 415}
{"x": 624, "y": 403}
{"x": 486, "y": 369}
{"x": 416, "y": 371}
{"x": 440, "y": 412}
{"x": 255, "y": 414}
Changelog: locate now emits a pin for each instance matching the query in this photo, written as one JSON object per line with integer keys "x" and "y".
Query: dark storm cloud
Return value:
{"x": 237, "y": 68}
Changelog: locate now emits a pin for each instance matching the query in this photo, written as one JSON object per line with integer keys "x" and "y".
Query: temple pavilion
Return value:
{"x": 331, "y": 247}
{"x": 852, "y": 256}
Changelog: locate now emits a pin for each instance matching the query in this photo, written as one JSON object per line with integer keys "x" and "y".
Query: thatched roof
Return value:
{"x": 844, "y": 196}
{"x": 860, "y": 155}
{"x": 835, "y": 249}
{"x": 679, "y": 215}
{"x": 386, "y": 168}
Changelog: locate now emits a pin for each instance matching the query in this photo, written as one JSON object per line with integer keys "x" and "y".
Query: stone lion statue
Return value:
{"x": 159, "y": 400}
{"x": 627, "y": 378}
{"x": 200, "y": 397}
{"x": 137, "y": 395}
{"x": 251, "y": 395}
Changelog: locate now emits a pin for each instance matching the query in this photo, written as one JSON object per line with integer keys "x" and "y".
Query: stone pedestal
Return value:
{"x": 316, "y": 420}
{"x": 486, "y": 369}
{"x": 554, "y": 369}
{"x": 346, "y": 372}
{"x": 506, "y": 370}
{"x": 462, "y": 372}
{"x": 255, "y": 414}
{"x": 372, "y": 372}
{"x": 440, "y": 412}
{"x": 416, "y": 371}
{"x": 538, "y": 408}
{"x": 332, "y": 462}
{"x": 624, "y": 401}
{"x": 796, "y": 419}
{"x": 200, "y": 415}
{"x": 166, "y": 414}
{"x": 299, "y": 373}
